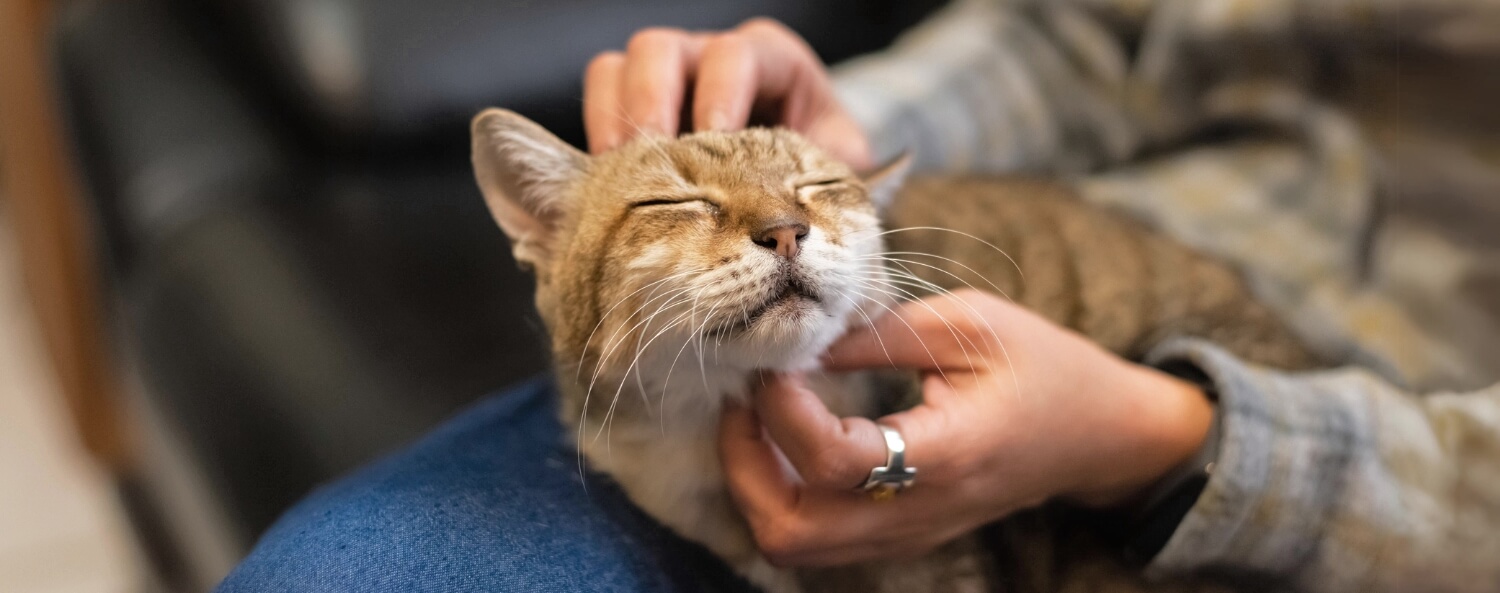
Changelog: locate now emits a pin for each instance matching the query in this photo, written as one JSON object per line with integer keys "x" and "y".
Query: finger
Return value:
{"x": 890, "y": 542}
{"x": 770, "y": 500}
{"x": 794, "y": 526}
{"x": 603, "y": 113}
{"x": 912, "y": 546}
{"x": 787, "y": 72}
{"x": 763, "y": 62}
{"x": 843, "y": 138}
{"x": 812, "y": 527}
{"x": 828, "y": 528}
{"x": 753, "y": 470}
{"x": 790, "y": 72}
{"x": 658, "y": 64}
{"x": 827, "y": 451}
{"x": 726, "y": 86}
{"x": 937, "y": 333}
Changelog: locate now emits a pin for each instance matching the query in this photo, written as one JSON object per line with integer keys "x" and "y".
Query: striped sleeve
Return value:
{"x": 995, "y": 86}
{"x": 1339, "y": 481}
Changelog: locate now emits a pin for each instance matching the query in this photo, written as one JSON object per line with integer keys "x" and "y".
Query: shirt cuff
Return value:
{"x": 1287, "y": 448}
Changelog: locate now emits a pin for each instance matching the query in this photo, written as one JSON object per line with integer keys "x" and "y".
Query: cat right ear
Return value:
{"x": 887, "y": 179}
{"x": 523, "y": 171}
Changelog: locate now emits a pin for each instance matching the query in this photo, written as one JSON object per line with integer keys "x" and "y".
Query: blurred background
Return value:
{"x": 241, "y": 250}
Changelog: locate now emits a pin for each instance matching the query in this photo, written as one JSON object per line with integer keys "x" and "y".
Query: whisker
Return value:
{"x": 623, "y": 333}
{"x": 707, "y": 317}
{"x": 640, "y": 350}
{"x": 956, "y": 232}
{"x": 883, "y": 256}
{"x": 611, "y": 345}
{"x": 975, "y": 315}
{"x": 957, "y": 336}
{"x": 906, "y": 278}
{"x": 584, "y": 351}
{"x": 871, "y": 324}
{"x": 689, "y": 340}
{"x": 913, "y": 330}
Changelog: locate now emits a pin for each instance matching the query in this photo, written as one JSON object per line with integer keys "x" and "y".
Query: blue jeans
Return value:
{"x": 491, "y": 501}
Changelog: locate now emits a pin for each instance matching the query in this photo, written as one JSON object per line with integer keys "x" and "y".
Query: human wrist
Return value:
{"x": 1162, "y": 422}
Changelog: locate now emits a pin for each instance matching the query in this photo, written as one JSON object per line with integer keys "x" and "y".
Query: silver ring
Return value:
{"x": 886, "y": 480}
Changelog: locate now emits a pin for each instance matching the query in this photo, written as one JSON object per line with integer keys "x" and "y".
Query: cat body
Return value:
{"x": 1086, "y": 268}
{"x": 671, "y": 271}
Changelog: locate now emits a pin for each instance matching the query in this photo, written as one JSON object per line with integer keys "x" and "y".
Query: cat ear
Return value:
{"x": 523, "y": 171}
{"x": 887, "y": 179}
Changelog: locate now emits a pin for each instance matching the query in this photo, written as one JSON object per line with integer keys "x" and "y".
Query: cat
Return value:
{"x": 670, "y": 270}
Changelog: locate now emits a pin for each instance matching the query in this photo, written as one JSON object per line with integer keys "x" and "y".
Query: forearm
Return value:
{"x": 1338, "y": 481}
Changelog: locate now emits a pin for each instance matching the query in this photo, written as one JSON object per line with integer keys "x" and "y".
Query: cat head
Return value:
{"x": 750, "y": 249}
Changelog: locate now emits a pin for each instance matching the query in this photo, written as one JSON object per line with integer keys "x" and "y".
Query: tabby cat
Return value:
{"x": 670, "y": 270}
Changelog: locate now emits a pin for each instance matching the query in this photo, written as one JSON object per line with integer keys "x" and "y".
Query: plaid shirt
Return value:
{"x": 1346, "y": 155}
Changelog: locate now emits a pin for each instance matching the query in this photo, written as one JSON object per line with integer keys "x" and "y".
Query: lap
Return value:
{"x": 490, "y": 501}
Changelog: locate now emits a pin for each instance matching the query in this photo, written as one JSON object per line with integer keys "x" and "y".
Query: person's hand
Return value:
{"x": 1017, "y": 411}
{"x": 759, "y": 67}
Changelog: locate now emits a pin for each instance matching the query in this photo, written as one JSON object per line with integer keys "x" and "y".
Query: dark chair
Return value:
{"x": 302, "y": 272}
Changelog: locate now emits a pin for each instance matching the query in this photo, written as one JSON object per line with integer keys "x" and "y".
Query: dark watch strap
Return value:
{"x": 1151, "y": 523}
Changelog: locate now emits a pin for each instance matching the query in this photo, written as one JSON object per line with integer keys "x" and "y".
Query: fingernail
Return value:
{"x": 718, "y": 121}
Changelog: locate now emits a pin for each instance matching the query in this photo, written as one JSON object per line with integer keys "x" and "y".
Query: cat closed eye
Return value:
{"x": 823, "y": 187}
{"x": 650, "y": 203}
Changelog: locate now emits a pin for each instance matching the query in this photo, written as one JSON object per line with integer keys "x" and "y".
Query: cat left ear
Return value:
{"x": 523, "y": 171}
{"x": 887, "y": 179}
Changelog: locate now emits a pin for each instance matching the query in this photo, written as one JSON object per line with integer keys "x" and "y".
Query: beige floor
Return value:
{"x": 61, "y": 530}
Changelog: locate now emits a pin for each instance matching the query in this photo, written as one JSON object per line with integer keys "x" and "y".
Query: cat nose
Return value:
{"x": 784, "y": 239}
